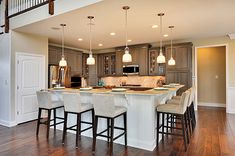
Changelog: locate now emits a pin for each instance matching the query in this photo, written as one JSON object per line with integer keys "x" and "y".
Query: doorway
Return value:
{"x": 30, "y": 77}
{"x": 211, "y": 75}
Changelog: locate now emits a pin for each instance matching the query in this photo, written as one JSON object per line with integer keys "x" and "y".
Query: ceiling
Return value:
{"x": 193, "y": 19}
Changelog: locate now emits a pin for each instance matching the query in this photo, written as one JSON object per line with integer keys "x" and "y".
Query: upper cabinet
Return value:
{"x": 73, "y": 58}
{"x": 154, "y": 67}
{"x": 106, "y": 64}
{"x": 182, "y": 53}
{"x": 139, "y": 54}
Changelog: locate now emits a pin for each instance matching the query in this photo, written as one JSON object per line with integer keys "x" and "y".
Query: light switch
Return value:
{"x": 216, "y": 77}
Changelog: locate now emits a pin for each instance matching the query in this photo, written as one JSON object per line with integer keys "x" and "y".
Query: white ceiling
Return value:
{"x": 193, "y": 19}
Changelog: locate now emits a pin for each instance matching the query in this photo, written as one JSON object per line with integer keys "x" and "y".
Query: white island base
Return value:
{"x": 141, "y": 117}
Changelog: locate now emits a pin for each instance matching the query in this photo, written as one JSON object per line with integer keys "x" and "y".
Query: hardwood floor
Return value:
{"x": 214, "y": 135}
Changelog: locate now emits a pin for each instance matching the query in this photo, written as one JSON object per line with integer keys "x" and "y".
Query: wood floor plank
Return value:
{"x": 214, "y": 135}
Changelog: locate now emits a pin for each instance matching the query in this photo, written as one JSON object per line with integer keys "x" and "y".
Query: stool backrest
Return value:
{"x": 103, "y": 104}
{"x": 72, "y": 102}
{"x": 44, "y": 99}
{"x": 192, "y": 94}
{"x": 184, "y": 100}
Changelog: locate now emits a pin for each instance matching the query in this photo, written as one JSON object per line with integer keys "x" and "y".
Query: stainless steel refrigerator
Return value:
{"x": 59, "y": 76}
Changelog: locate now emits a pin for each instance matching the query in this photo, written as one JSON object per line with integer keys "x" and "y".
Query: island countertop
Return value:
{"x": 141, "y": 113}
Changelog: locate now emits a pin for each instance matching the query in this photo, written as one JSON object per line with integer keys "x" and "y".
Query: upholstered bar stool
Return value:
{"x": 104, "y": 106}
{"x": 73, "y": 105}
{"x": 173, "y": 110}
{"x": 190, "y": 108}
{"x": 45, "y": 102}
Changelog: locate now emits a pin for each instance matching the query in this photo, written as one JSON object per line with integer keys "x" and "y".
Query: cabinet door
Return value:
{"x": 100, "y": 65}
{"x": 182, "y": 57}
{"x": 85, "y": 68}
{"x": 171, "y": 77}
{"x": 119, "y": 65}
{"x": 184, "y": 77}
{"x": 143, "y": 60}
{"x": 78, "y": 63}
{"x": 112, "y": 65}
{"x": 54, "y": 57}
{"x": 70, "y": 58}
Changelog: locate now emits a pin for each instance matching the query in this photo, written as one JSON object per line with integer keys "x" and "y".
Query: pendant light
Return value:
{"x": 90, "y": 60}
{"x": 161, "y": 58}
{"x": 171, "y": 62}
{"x": 63, "y": 62}
{"x": 127, "y": 56}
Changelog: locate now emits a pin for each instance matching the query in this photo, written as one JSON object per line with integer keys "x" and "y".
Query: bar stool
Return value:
{"x": 174, "y": 110}
{"x": 46, "y": 103}
{"x": 105, "y": 108}
{"x": 190, "y": 108}
{"x": 74, "y": 105}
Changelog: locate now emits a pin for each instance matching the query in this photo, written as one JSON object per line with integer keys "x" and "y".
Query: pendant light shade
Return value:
{"x": 171, "y": 62}
{"x": 127, "y": 56}
{"x": 90, "y": 60}
{"x": 63, "y": 62}
{"x": 161, "y": 58}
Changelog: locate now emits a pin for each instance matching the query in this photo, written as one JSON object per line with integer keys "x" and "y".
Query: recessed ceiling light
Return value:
{"x": 80, "y": 39}
{"x": 129, "y": 40}
{"x": 112, "y": 33}
{"x": 154, "y": 26}
{"x": 100, "y": 44}
{"x": 165, "y": 35}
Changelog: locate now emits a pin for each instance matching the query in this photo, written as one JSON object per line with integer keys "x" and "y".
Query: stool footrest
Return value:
{"x": 119, "y": 136}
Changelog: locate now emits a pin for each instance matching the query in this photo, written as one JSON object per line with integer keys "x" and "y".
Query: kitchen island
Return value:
{"x": 141, "y": 115}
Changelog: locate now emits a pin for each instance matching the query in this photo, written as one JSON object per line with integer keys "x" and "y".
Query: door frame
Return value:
{"x": 195, "y": 71}
{"x": 17, "y": 55}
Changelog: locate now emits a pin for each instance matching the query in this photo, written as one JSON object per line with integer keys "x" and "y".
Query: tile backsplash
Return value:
{"x": 144, "y": 81}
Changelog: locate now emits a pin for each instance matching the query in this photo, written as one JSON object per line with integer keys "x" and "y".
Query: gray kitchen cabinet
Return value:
{"x": 119, "y": 65}
{"x": 106, "y": 64}
{"x": 182, "y": 71}
{"x": 73, "y": 58}
{"x": 154, "y": 67}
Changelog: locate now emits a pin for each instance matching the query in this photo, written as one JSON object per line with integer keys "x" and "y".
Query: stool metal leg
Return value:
{"x": 183, "y": 132}
{"x": 108, "y": 130}
{"x": 95, "y": 130}
{"x": 163, "y": 124}
{"x": 78, "y": 132}
{"x": 48, "y": 122}
{"x": 39, "y": 120}
{"x": 125, "y": 127}
{"x": 112, "y": 132}
{"x": 54, "y": 112}
{"x": 65, "y": 126}
{"x": 158, "y": 120}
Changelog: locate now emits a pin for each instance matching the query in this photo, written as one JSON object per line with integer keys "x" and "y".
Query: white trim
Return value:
{"x": 17, "y": 54}
{"x": 227, "y": 70}
{"x": 212, "y": 104}
{"x": 231, "y": 100}
{"x": 8, "y": 123}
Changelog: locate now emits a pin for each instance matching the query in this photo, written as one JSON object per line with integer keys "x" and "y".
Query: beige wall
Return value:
{"x": 231, "y": 53}
{"x": 211, "y": 75}
{"x": 25, "y": 43}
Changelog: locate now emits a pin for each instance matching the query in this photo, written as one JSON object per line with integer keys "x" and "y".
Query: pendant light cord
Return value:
{"x": 90, "y": 38}
{"x": 171, "y": 42}
{"x": 126, "y": 26}
{"x": 62, "y": 41}
{"x": 161, "y": 34}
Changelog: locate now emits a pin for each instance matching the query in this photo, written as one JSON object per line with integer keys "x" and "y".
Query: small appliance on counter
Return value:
{"x": 76, "y": 82}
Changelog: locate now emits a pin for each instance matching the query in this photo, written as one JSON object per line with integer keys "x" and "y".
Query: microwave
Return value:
{"x": 131, "y": 70}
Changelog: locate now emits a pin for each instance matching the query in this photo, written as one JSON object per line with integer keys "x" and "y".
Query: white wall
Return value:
{"x": 41, "y": 13}
{"x": 25, "y": 43}
{"x": 5, "y": 55}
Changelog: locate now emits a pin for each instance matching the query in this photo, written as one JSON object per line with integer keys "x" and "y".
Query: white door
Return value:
{"x": 30, "y": 77}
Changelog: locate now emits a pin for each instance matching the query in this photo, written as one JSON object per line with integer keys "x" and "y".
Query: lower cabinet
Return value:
{"x": 182, "y": 77}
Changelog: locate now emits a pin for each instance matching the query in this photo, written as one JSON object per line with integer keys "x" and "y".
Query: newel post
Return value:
{"x": 6, "y": 17}
{"x": 51, "y": 7}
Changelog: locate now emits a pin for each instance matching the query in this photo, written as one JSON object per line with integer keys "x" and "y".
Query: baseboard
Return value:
{"x": 211, "y": 104}
{"x": 7, "y": 123}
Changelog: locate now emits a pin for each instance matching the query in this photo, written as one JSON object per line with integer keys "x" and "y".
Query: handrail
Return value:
{"x": 17, "y": 7}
